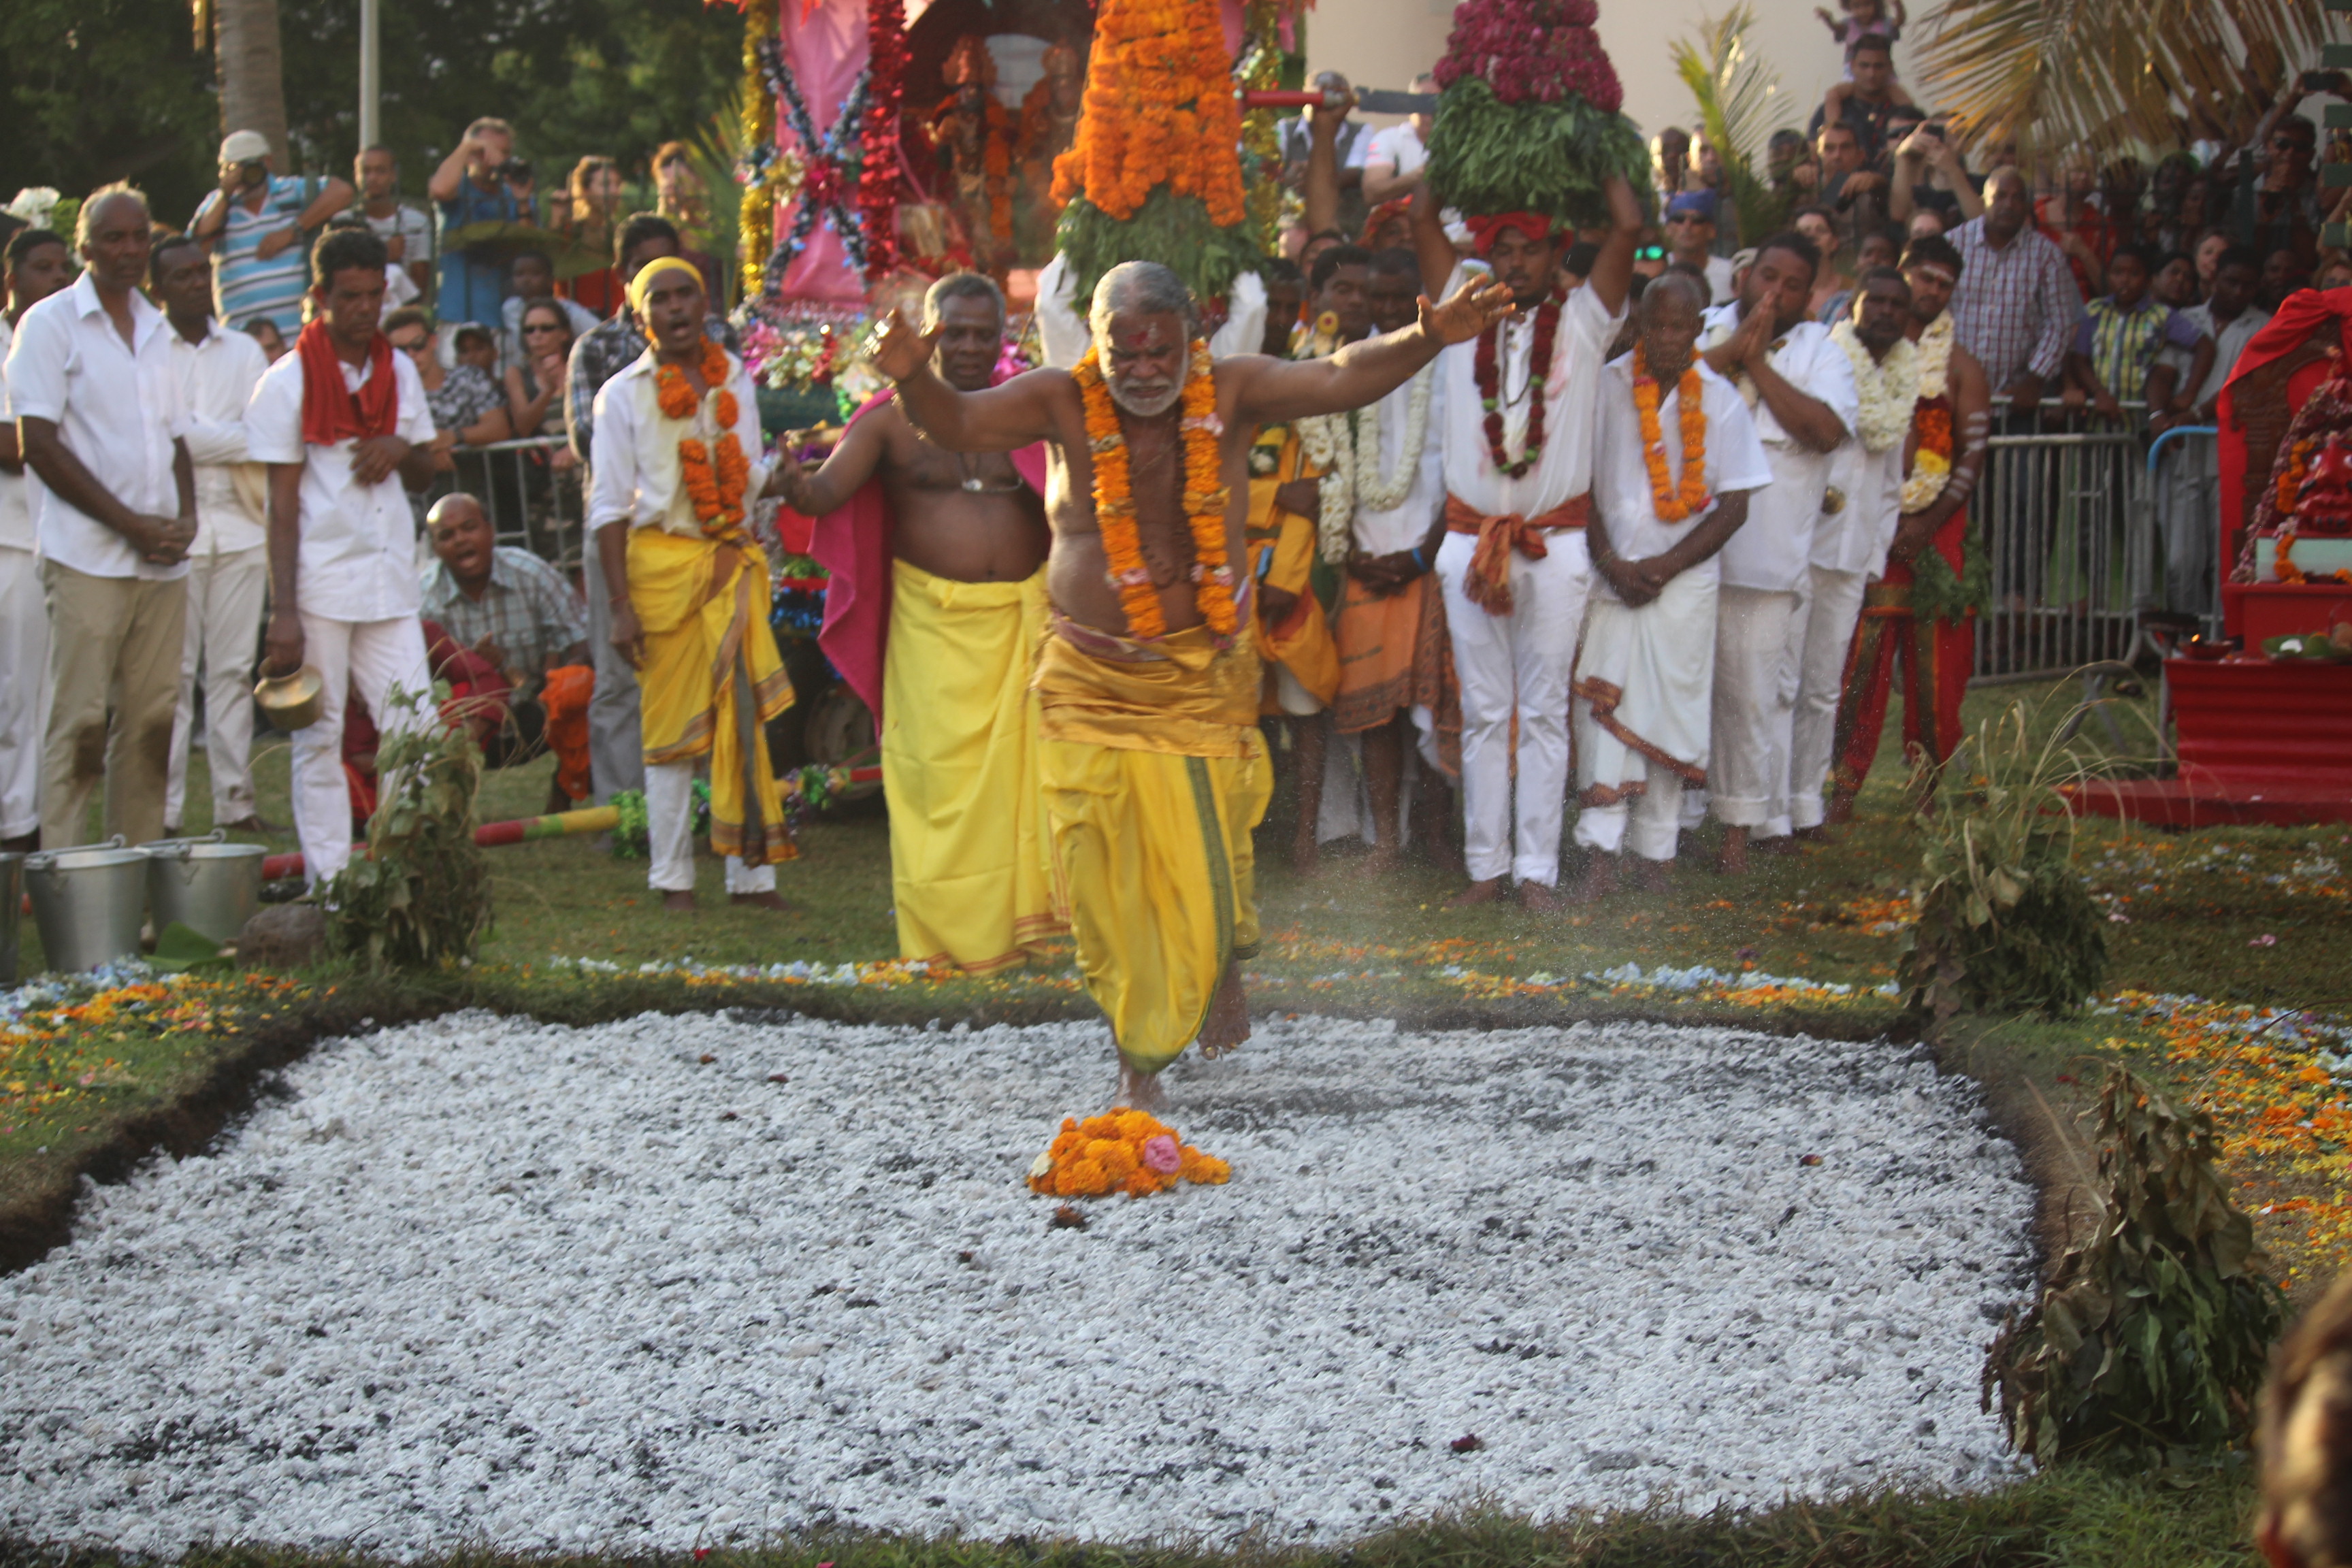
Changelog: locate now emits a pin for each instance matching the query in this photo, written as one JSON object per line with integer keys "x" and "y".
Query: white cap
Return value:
{"x": 244, "y": 147}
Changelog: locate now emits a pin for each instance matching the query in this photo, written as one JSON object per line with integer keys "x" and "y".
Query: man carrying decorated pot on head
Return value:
{"x": 1519, "y": 404}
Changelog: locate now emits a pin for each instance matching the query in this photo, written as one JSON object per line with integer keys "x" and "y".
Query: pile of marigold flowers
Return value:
{"x": 1121, "y": 1150}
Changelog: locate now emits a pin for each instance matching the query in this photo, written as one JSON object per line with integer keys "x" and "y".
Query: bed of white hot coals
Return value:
{"x": 678, "y": 1280}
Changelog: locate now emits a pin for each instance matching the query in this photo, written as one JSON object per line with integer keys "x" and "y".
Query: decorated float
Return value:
{"x": 890, "y": 142}
{"x": 2264, "y": 715}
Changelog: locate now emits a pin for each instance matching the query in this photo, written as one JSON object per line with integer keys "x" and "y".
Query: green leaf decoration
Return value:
{"x": 2152, "y": 1335}
{"x": 420, "y": 895}
{"x": 179, "y": 948}
{"x": 1488, "y": 156}
{"x": 1172, "y": 230}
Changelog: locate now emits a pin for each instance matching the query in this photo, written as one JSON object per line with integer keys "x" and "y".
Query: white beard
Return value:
{"x": 1145, "y": 409}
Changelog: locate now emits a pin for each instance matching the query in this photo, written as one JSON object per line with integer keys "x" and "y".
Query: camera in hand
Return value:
{"x": 517, "y": 169}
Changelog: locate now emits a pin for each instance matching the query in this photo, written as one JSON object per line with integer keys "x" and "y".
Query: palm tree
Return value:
{"x": 2112, "y": 74}
{"x": 1739, "y": 104}
{"x": 253, "y": 88}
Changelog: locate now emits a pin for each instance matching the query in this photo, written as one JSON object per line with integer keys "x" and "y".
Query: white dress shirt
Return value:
{"x": 1406, "y": 524}
{"x": 1773, "y": 551}
{"x": 633, "y": 464}
{"x": 214, "y": 380}
{"x": 358, "y": 560}
{"x": 2228, "y": 341}
{"x": 15, "y": 490}
{"x": 1564, "y": 471}
{"x": 115, "y": 408}
{"x": 1856, "y": 537}
{"x": 1398, "y": 147}
{"x": 1620, "y": 479}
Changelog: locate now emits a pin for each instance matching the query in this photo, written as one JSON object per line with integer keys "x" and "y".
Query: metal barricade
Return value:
{"x": 531, "y": 490}
{"x": 2089, "y": 538}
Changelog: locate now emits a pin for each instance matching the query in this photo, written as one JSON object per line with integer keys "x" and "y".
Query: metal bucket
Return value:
{"x": 12, "y": 914}
{"x": 209, "y": 885}
{"x": 87, "y": 902}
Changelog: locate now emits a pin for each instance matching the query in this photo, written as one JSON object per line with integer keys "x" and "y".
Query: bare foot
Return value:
{"x": 682, "y": 902}
{"x": 763, "y": 901}
{"x": 1476, "y": 893}
{"x": 1304, "y": 860}
{"x": 1780, "y": 844}
{"x": 1539, "y": 900}
{"x": 1732, "y": 859}
{"x": 1139, "y": 1090}
{"x": 1841, "y": 810}
{"x": 1382, "y": 861}
{"x": 1650, "y": 876}
{"x": 1817, "y": 834}
{"x": 1600, "y": 880}
{"x": 1228, "y": 1022}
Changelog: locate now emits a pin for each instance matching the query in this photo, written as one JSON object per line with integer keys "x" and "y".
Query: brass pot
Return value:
{"x": 291, "y": 703}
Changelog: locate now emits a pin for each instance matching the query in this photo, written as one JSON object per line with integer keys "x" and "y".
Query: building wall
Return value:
{"x": 1382, "y": 43}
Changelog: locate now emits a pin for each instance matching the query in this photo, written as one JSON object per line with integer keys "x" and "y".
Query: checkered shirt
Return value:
{"x": 527, "y": 607}
{"x": 2014, "y": 307}
{"x": 605, "y": 353}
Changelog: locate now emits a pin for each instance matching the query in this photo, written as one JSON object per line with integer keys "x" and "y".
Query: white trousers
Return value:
{"x": 616, "y": 742}
{"x": 669, "y": 833}
{"x": 1647, "y": 824}
{"x": 1747, "y": 758}
{"x": 1830, "y": 620}
{"x": 1520, "y": 662}
{"x": 225, "y": 598}
{"x": 377, "y": 656}
{"x": 24, "y": 690}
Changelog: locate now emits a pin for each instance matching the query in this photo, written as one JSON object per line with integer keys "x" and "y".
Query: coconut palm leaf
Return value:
{"x": 2110, "y": 74}
{"x": 1739, "y": 103}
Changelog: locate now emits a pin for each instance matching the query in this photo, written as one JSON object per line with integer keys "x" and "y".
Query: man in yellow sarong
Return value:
{"x": 936, "y": 600}
{"x": 1149, "y": 683}
{"x": 677, "y": 461}
{"x": 1302, "y": 661}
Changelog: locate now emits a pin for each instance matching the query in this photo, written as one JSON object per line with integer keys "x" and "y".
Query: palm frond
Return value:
{"x": 2112, "y": 74}
{"x": 1739, "y": 104}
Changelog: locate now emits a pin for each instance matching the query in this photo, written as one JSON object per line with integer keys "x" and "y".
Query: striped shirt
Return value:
{"x": 244, "y": 284}
{"x": 2122, "y": 345}
{"x": 2015, "y": 306}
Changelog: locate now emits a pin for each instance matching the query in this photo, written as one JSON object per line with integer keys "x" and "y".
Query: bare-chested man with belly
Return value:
{"x": 963, "y": 540}
{"x": 1147, "y": 681}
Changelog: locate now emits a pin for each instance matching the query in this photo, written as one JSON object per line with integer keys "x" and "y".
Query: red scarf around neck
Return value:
{"x": 332, "y": 412}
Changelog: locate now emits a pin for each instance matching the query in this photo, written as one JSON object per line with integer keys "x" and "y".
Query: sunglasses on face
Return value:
{"x": 413, "y": 345}
{"x": 1650, "y": 253}
{"x": 541, "y": 327}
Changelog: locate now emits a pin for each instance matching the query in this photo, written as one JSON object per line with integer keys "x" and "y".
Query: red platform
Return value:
{"x": 2259, "y": 742}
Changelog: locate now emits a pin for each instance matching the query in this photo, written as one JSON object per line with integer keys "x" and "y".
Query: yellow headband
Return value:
{"x": 652, "y": 272}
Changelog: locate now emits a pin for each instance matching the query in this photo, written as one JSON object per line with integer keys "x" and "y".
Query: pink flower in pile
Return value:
{"x": 1162, "y": 1155}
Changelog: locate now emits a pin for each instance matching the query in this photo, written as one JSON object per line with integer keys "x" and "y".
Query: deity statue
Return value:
{"x": 1049, "y": 124}
{"x": 974, "y": 135}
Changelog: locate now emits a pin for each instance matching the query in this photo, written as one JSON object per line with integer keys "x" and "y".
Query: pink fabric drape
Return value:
{"x": 825, "y": 44}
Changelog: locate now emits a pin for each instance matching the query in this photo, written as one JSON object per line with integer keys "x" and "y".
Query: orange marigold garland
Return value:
{"x": 1154, "y": 173}
{"x": 1206, "y": 500}
{"x": 714, "y": 483}
{"x": 1122, "y": 1151}
{"x": 2283, "y": 565}
{"x": 1674, "y": 502}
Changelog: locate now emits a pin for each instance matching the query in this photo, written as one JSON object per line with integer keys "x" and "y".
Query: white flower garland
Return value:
{"x": 1927, "y": 478}
{"x": 1889, "y": 388}
{"x": 1351, "y": 477}
{"x": 1935, "y": 348}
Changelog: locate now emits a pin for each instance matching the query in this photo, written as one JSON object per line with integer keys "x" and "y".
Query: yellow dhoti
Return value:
{"x": 710, "y": 678}
{"x": 1302, "y": 662}
{"x": 968, "y": 860}
{"x": 1154, "y": 774}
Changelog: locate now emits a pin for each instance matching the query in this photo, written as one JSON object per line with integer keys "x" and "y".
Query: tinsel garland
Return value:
{"x": 1260, "y": 67}
{"x": 877, "y": 172}
{"x": 757, "y": 225}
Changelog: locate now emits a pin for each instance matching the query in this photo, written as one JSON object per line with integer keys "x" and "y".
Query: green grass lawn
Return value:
{"x": 2197, "y": 907}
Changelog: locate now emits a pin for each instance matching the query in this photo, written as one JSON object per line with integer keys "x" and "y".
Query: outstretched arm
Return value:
{"x": 1274, "y": 392}
{"x": 1017, "y": 413}
{"x": 851, "y": 463}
